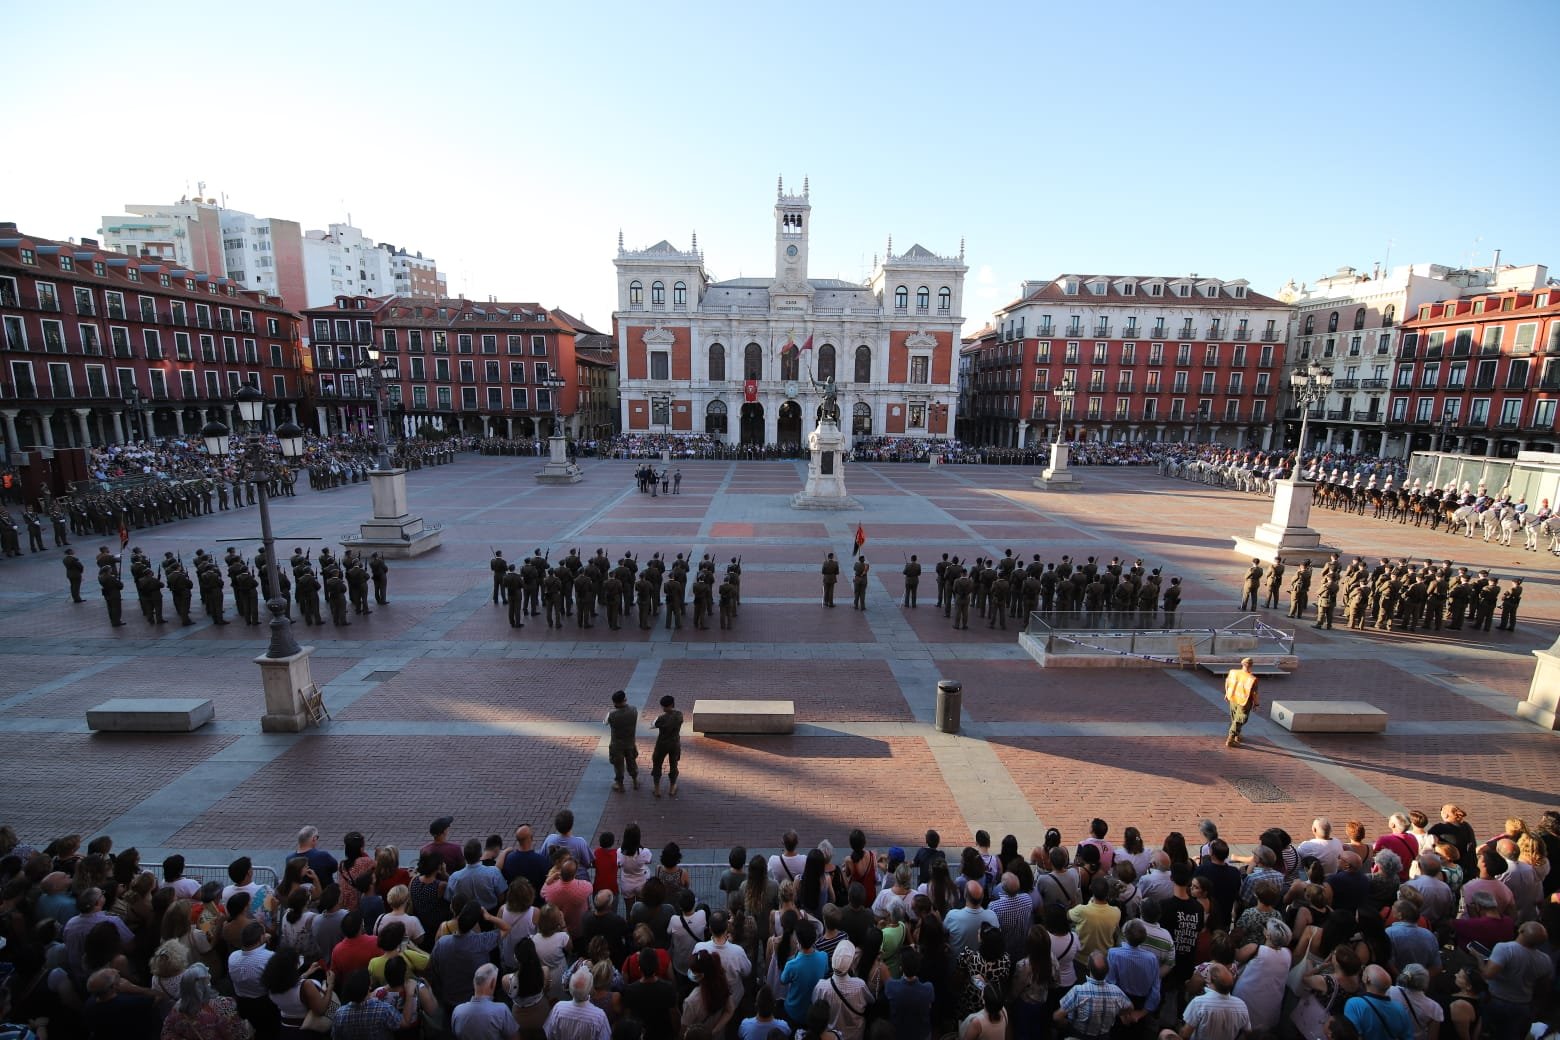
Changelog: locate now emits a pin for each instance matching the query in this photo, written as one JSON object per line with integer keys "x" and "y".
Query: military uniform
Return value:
{"x": 109, "y": 582}
{"x": 941, "y": 571}
{"x": 963, "y": 589}
{"x": 1172, "y": 601}
{"x": 831, "y": 574}
{"x": 999, "y": 602}
{"x": 336, "y": 598}
{"x": 859, "y": 584}
{"x": 1299, "y": 590}
{"x": 379, "y": 571}
{"x": 514, "y": 588}
{"x": 1326, "y": 600}
{"x": 703, "y": 600}
{"x": 674, "y": 602}
{"x": 645, "y": 592}
{"x": 357, "y": 586}
{"x": 74, "y": 569}
{"x": 150, "y": 590}
{"x": 499, "y": 569}
{"x": 584, "y": 601}
{"x": 612, "y": 599}
{"x": 622, "y": 723}
{"x": 728, "y": 598}
{"x": 1509, "y": 601}
{"x": 912, "y": 573}
{"x": 181, "y": 588}
{"x": 1275, "y": 584}
{"x": 552, "y": 599}
{"x": 1251, "y": 588}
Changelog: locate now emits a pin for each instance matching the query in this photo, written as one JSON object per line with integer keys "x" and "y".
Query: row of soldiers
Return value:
{"x": 103, "y": 513}
{"x": 1104, "y": 594}
{"x": 586, "y": 589}
{"x": 341, "y": 580}
{"x": 11, "y": 531}
{"x": 1402, "y": 596}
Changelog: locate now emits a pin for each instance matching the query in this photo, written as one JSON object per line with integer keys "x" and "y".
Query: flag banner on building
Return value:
{"x": 861, "y": 539}
{"x": 750, "y": 391}
{"x": 808, "y": 345}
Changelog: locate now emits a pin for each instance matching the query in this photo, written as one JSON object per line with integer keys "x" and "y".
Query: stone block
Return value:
{"x": 1329, "y": 716}
{"x": 733, "y": 716}
{"x": 150, "y": 715}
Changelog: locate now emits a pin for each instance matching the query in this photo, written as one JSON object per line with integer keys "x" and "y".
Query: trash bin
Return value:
{"x": 950, "y": 701}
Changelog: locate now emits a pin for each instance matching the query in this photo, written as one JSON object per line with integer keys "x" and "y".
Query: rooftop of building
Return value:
{"x": 1112, "y": 289}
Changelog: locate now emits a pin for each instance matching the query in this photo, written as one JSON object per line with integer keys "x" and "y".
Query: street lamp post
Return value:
{"x": 374, "y": 375}
{"x": 135, "y": 401}
{"x": 1056, "y": 476}
{"x": 556, "y": 384}
{"x": 559, "y": 470}
{"x": 1310, "y": 386}
{"x": 285, "y": 665}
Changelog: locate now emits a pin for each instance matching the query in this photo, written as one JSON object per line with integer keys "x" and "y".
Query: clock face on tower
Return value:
{"x": 790, "y": 251}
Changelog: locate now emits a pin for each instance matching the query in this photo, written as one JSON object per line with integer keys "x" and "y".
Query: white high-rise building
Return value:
{"x": 344, "y": 262}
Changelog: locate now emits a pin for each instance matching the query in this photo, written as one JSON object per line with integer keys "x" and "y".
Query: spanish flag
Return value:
{"x": 861, "y": 539}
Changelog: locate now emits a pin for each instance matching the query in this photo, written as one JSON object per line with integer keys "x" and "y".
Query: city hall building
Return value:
{"x": 737, "y": 358}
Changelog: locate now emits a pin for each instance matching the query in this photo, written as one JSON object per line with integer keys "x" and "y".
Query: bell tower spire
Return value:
{"x": 793, "y": 220}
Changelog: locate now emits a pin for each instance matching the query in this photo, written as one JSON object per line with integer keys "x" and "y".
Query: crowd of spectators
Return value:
{"x": 565, "y": 937}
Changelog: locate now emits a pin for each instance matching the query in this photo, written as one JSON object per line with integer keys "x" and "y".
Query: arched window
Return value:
{"x": 1310, "y": 325}
{"x": 680, "y": 294}
{"x": 826, "y": 361}
{"x": 901, "y": 298}
{"x": 863, "y": 364}
{"x": 1359, "y": 319}
{"x": 945, "y": 299}
{"x": 1332, "y": 322}
{"x": 657, "y": 294}
{"x": 791, "y": 363}
{"x": 861, "y": 419}
{"x": 715, "y": 417}
{"x": 1388, "y": 316}
{"x": 717, "y": 363}
{"x": 923, "y": 298}
{"x": 636, "y": 294}
{"x": 753, "y": 362}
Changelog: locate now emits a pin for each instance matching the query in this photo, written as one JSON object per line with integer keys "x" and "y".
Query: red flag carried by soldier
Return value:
{"x": 124, "y": 536}
{"x": 861, "y": 539}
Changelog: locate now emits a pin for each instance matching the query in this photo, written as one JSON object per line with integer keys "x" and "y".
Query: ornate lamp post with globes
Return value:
{"x": 559, "y": 470}
{"x": 1287, "y": 533}
{"x": 284, "y": 668}
{"x": 393, "y": 531}
{"x": 1056, "y": 476}
{"x": 374, "y": 376}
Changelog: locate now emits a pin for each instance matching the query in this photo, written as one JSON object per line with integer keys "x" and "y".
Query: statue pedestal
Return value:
{"x": 285, "y": 679}
{"x": 1287, "y": 533}
{"x": 1056, "y": 476}
{"x": 1542, "y": 706}
{"x": 559, "y": 470}
{"x": 825, "y": 471}
{"x": 394, "y": 532}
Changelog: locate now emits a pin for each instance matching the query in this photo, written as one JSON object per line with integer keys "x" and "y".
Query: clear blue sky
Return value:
{"x": 511, "y": 141}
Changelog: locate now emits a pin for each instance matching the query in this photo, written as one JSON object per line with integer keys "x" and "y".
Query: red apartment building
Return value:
{"x": 1480, "y": 374}
{"x": 477, "y": 368}
{"x": 101, "y": 348}
{"x": 1151, "y": 358}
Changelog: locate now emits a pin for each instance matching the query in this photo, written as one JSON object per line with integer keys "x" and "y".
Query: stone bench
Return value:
{"x": 150, "y": 715}
{"x": 731, "y": 716}
{"x": 1329, "y": 717}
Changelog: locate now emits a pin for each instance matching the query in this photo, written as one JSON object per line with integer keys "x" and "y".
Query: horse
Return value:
{"x": 1467, "y": 516}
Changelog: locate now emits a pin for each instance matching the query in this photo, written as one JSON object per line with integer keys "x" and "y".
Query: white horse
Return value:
{"x": 1467, "y": 516}
{"x": 1531, "y": 527}
{"x": 1491, "y": 521}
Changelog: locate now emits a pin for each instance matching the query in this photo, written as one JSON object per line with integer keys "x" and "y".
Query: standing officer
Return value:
{"x": 1275, "y": 584}
{"x": 379, "y": 570}
{"x": 831, "y": 574}
{"x": 644, "y": 592}
{"x": 61, "y": 536}
{"x": 210, "y": 581}
{"x": 552, "y": 599}
{"x": 859, "y": 584}
{"x": 150, "y": 589}
{"x": 612, "y": 596}
{"x": 941, "y": 571}
{"x": 963, "y": 589}
{"x": 622, "y": 721}
{"x": 673, "y": 589}
{"x": 1509, "y": 601}
{"x": 357, "y": 585}
{"x": 499, "y": 569}
{"x": 531, "y": 574}
{"x": 584, "y": 600}
{"x": 912, "y": 574}
{"x": 336, "y": 598}
{"x": 703, "y": 600}
{"x": 74, "y": 569}
{"x": 728, "y": 601}
{"x": 734, "y": 576}
{"x": 1172, "y": 601}
{"x": 1326, "y": 600}
{"x": 1300, "y": 590}
{"x": 1000, "y": 590}
{"x": 246, "y": 594}
{"x": 34, "y": 530}
{"x": 109, "y": 581}
{"x": 668, "y": 745}
{"x": 513, "y": 587}
{"x": 180, "y": 585}
{"x": 306, "y": 588}
{"x": 1252, "y": 586}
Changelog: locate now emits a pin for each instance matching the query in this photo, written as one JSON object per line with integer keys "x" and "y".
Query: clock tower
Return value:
{"x": 793, "y": 219}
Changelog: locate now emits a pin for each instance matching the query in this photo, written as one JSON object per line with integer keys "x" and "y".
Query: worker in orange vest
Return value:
{"x": 1240, "y": 690}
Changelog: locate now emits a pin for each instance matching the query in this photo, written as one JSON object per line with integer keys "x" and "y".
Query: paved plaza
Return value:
{"x": 439, "y": 707}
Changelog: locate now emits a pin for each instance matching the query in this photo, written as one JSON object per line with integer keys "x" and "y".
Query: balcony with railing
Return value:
{"x": 1369, "y": 417}
{"x": 1506, "y": 424}
{"x": 1102, "y": 330}
{"x": 1186, "y": 332}
{"x": 1214, "y": 332}
{"x": 1373, "y": 384}
{"x": 1538, "y": 426}
{"x": 1346, "y": 384}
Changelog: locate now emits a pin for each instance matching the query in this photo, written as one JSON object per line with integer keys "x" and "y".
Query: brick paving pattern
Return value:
{"x": 399, "y": 752}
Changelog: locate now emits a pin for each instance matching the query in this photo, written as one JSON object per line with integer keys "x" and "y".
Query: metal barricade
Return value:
{"x": 204, "y": 872}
